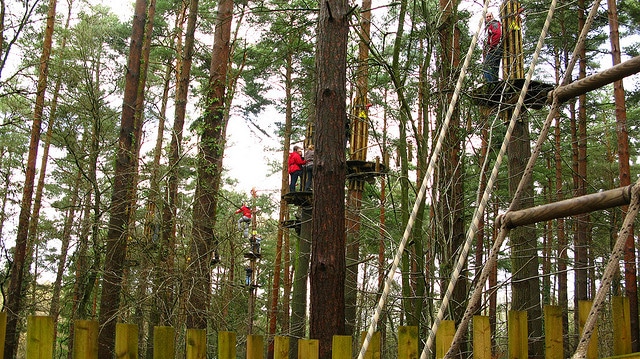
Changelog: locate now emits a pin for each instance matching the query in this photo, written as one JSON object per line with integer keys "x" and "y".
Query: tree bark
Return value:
{"x": 328, "y": 247}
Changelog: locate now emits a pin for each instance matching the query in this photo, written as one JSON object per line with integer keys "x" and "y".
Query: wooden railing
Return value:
{"x": 40, "y": 339}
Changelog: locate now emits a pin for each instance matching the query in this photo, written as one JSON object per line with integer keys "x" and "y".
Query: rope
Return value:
{"x": 421, "y": 193}
{"x": 474, "y": 300}
{"x": 610, "y": 271}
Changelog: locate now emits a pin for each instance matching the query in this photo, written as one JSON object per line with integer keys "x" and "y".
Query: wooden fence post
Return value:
{"x": 85, "y": 339}
{"x": 308, "y": 348}
{"x": 373, "y": 350}
{"x": 553, "y": 332}
{"x": 444, "y": 337}
{"x": 621, "y": 326}
{"x": 341, "y": 347}
{"x": 196, "y": 342}
{"x": 164, "y": 342}
{"x": 126, "y": 341}
{"x": 281, "y": 347}
{"x": 481, "y": 337}
{"x": 584, "y": 306}
{"x": 39, "y": 337}
{"x": 3, "y": 332}
{"x": 226, "y": 345}
{"x": 255, "y": 347}
{"x": 408, "y": 342}
{"x": 518, "y": 333}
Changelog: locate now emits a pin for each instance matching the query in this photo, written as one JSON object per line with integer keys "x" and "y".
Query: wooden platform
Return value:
{"x": 364, "y": 170}
{"x": 299, "y": 198}
{"x": 491, "y": 93}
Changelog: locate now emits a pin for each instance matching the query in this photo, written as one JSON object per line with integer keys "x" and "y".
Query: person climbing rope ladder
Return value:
{"x": 245, "y": 220}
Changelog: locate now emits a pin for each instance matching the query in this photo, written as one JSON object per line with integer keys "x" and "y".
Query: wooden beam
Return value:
{"x": 569, "y": 207}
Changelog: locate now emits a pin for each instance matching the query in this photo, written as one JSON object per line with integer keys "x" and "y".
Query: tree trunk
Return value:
{"x": 124, "y": 185}
{"x": 630, "y": 268}
{"x": 328, "y": 247}
{"x": 14, "y": 292}
{"x": 212, "y": 143}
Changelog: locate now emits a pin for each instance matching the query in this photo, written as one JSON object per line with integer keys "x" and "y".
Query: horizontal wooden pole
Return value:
{"x": 569, "y": 207}
{"x": 589, "y": 83}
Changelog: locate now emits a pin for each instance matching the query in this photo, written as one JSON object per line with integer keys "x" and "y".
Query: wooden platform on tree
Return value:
{"x": 364, "y": 170}
{"x": 492, "y": 94}
{"x": 299, "y": 198}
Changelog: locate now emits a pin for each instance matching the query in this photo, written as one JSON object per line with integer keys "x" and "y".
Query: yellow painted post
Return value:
{"x": 39, "y": 337}
{"x": 308, "y": 348}
{"x": 444, "y": 337}
{"x": 126, "y": 341}
{"x": 553, "y": 334}
{"x": 226, "y": 345}
{"x": 281, "y": 347}
{"x": 85, "y": 339}
{"x": 373, "y": 350}
{"x": 164, "y": 342}
{"x": 621, "y": 326}
{"x": 341, "y": 347}
{"x": 518, "y": 334}
{"x": 481, "y": 337}
{"x": 584, "y": 306}
{"x": 3, "y": 332}
{"x": 196, "y": 343}
{"x": 255, "y": 346}
{"x": 408, "y": 342}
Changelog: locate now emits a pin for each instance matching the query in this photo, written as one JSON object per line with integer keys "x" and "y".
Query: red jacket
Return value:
{"x": 295, "y": 162}
{"x": 246, "y": 211}
{"x": 494, "y": 34}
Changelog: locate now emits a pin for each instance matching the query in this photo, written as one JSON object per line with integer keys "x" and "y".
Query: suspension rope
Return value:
{"x": 474, "y": 300}
{"x": 423, "y": 188}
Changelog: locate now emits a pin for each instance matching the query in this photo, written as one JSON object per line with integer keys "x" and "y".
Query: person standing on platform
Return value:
{"x": 245, "y": 220}
{"x": 308, "y": 158}
{"x": 295, "y": 167}
{"x": 492, "y": 51}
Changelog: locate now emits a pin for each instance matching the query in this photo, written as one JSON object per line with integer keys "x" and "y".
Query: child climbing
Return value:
{"x": 245, "y": 220}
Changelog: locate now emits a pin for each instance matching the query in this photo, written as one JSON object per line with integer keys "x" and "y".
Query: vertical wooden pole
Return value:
{"x": 281, "y": 347}
{"x": 39, "y": 337}
{"x": 308, "y": 348}
{"x": 3, "y": 332}
{"x": 164, "y": 343}
{"x": 197, "y": 344}
{"x": 373, "y": 350}
{"x": 621, "y": 326}
{"x": 518, "y": 334}
{"x": 584, "y": 306}
{"x": 255, "y": 346}
{"x": 126, "y": 341}
{"x": 226, "y": 345}
{"x": 408, "y": 342}
{"x": 341, "y": 347}
{"x": 85, "y": 339}
{"x": 553, "y": 335}
{"x": 444, "y": 337}
{"x": 481, "y": 337}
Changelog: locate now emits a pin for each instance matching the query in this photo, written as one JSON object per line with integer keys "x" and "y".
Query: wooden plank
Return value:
{"x": 126, "y": 341}
{"x": 584, "y": 306}
{"x": 518, "y": 334}
{"x": 408, "y": 342}
{"x": 308, "y": 348}
{"x": 373, "y": 350}
{"x": 85, "y": 339}
{"x": 196, "y": 342}
{"x": 281, "y": 347}
{"x": 164, "y": 342}
{"x": 39, "y": 337}
{"x": 481, "y": 337}
{"x": 341, "y": 347}
{"x": 553, "y": 332}
{"x": 621, "y": 325}
{"x": 626, "y": 356}
{"x": 226, "y": 345}
{"x": 3, "y": 332}
{"x": 444, "y": 337}
{"x": 255, "y": 346}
